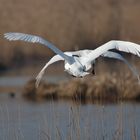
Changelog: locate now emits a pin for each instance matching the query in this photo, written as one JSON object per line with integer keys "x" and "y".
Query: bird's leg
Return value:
{"x": 93, "y": 70}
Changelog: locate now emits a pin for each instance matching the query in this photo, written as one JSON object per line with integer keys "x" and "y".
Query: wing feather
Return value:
{"x": 123, "y": 46}
{"x": 115, "y": 55}
{"x": 37, "y": 39}
{"x": 52, "y": 60}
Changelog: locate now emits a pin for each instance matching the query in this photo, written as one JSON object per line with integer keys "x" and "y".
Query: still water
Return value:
{"x": 21, "y": 119}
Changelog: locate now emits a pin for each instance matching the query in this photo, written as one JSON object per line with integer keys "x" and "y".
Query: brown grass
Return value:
{"x": 105, "y": 86}
{"x": 69, "y": 24}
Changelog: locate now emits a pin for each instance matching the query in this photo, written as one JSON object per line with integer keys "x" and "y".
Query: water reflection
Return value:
{"x": 21, "y": 119}
{"x": 52, "y": 119}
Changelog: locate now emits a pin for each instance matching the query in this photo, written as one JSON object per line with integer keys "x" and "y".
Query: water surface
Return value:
{"x": 21, "y": 119}
{"x": 26, "y": 120}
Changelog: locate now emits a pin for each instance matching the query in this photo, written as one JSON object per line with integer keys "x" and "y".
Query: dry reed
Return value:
{"x": 69, "y": 24}
{"x": 104, "y": 86}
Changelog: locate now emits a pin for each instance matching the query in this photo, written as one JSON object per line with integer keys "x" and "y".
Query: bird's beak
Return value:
{"x": 85, "y": 73}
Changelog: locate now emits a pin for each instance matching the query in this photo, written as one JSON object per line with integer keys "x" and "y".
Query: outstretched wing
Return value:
{"x": 37, "y": 39}
{"x": 124, "y": 46}
{"x": 80, "y": 53}
{"x": 52, "y": 60}
{"x": 115, "y": 55}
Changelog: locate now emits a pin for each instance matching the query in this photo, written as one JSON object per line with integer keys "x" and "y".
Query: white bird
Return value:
{"x": 78, "y": 63}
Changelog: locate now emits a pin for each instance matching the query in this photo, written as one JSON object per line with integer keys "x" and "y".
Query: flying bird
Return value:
{"x": 79, "y": 63}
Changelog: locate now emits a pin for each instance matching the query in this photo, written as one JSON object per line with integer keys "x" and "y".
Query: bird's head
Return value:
{"x": 76, "y": 70}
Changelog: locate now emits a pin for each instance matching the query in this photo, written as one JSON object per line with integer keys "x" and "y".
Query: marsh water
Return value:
{"x": 21, "y": 119}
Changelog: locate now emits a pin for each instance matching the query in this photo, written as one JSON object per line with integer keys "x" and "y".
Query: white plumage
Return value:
{"x": 78, "y": 63}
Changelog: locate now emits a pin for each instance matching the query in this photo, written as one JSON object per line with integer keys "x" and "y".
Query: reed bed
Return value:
{"x": 111, "y": 87}
{"x": 70, "y": 25}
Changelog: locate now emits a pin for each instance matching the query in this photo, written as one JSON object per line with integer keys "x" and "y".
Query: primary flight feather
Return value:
{"x": 78, "y": 63}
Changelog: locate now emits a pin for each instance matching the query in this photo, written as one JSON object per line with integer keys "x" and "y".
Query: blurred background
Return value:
{"x": 69, "y": 24}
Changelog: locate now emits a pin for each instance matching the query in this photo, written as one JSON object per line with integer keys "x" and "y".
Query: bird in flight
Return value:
{"x": 79, "y": 63}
